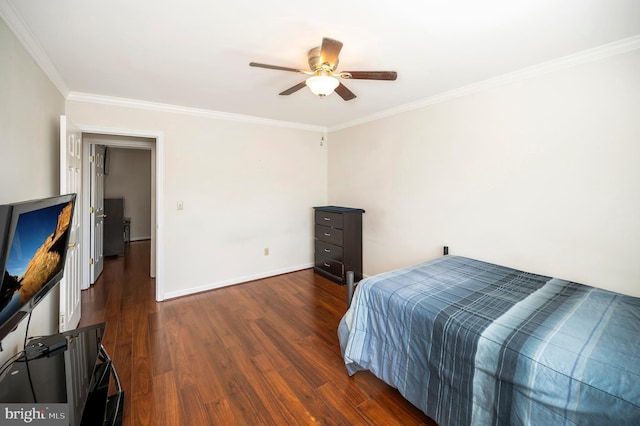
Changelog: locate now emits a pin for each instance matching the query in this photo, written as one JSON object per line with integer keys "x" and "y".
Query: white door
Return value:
{"x": 71, "y": 182}
{"x": 97, "y": 210}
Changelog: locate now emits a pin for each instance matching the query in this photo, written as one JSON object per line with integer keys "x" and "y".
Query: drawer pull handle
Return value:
{"x": 327, "y": 234}
{"x": 327, "y": 218}
{"x": 327, "y": 251}
{"x": 327, "y": 265}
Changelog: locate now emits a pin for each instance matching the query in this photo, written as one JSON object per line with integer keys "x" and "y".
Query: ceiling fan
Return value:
{"x": 323, "y": 80}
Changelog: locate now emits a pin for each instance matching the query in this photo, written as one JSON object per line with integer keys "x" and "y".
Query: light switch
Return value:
{"x": 180, "y": 205}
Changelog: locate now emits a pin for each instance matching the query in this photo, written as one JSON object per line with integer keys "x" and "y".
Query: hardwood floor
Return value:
{"x": 264, "y": 352}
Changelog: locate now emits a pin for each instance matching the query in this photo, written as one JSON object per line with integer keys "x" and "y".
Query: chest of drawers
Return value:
{"x": 338, "y": 242}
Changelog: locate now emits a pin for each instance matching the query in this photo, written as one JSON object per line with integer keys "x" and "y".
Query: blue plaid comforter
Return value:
{"x": 473, "y": 343}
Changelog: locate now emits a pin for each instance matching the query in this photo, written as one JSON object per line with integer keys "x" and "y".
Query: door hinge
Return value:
{"x": 91, "y": 261}
{"x": 92, "y": 159}
{"x": 91, "y": 210}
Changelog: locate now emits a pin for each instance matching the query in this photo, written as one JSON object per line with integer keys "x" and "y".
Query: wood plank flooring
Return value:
{"x": 259, "y": 353}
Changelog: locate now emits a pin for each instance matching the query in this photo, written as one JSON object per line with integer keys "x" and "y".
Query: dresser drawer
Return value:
{"x": 329, "y": 235}
{"x": 329, "y": 219}
{"x": 329, "y": 266}
{"x": 329, "y": 251}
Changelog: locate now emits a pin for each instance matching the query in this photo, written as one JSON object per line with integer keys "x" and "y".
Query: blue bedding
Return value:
{"x": 473, "y": 343}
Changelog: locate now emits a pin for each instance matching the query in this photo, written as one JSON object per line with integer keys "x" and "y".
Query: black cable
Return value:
{"x": 26, "y": 332}
{"x": 17, "y": 356}
{"x": 26, "y": 361}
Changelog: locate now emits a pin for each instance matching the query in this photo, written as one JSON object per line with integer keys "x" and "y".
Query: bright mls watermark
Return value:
{"x": 34, "y": 414}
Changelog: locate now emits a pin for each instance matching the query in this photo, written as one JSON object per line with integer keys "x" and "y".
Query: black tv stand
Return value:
{"x": 72, "y": 369}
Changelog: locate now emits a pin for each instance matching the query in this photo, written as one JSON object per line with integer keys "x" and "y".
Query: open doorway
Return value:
{"x": 112, "y": 140}
{"x": 120, "y": 196}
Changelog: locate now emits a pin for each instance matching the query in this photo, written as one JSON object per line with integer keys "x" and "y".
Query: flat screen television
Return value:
{"x": 35, "y": 236}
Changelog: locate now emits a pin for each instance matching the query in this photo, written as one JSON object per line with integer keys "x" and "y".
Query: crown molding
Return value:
{"x": 590, "y": 55}
{"x": 26, "y": 37}
{"x": 31, "y": 45}
{"x": 176, "y": 109}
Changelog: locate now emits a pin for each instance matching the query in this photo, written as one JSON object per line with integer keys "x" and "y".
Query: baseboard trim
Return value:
{"x": 239, "y": 280}
{"x": 140, "y": 239}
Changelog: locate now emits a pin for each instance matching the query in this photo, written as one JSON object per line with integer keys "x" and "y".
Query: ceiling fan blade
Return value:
{"x": 276, "y": 67}
{"x": 345, "y": 93}
{"x": 329, "y": 52}
{"x": 370, "y": 75}
{"x": 294, "y": 88}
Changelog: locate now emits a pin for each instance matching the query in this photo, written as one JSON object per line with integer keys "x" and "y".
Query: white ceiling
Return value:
{"x": 195, "y": 53}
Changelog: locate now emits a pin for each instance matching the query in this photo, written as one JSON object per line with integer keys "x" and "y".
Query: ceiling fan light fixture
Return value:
{"x": 323, "y": 79}
{"x": 322, "y": 85}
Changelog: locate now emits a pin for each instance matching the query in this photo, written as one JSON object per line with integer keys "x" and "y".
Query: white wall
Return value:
{"x": 30, "y": 107}
{"x": 130, "y": 178}
{"x": 541, "y": 174}
{"x": 244, "y": 186}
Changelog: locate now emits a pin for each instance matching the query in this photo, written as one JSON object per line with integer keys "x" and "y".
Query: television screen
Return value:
{"x": 35, "y": 249}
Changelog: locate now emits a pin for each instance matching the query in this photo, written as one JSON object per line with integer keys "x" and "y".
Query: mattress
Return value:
{"x": 474, "y": 343}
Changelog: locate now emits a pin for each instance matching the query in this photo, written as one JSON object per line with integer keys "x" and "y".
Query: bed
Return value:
{"x": 473, "y": 343}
